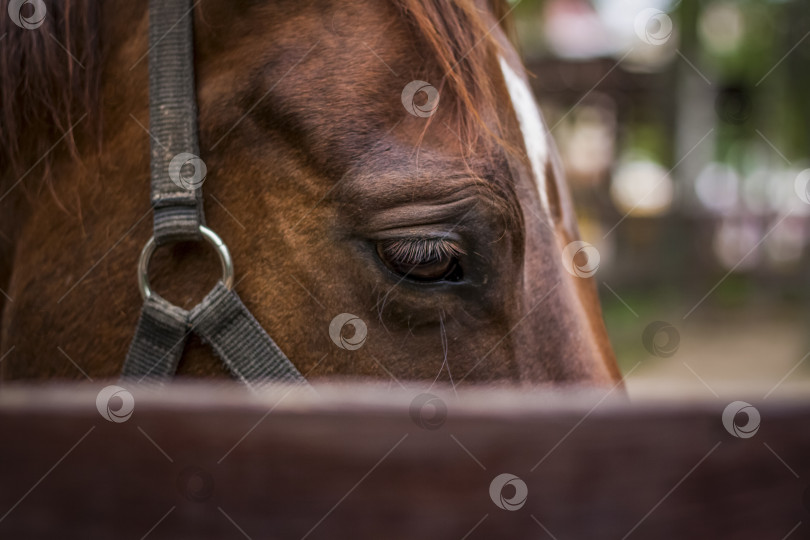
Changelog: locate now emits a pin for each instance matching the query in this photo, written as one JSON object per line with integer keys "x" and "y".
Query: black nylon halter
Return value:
{"x": 221, "y": 319}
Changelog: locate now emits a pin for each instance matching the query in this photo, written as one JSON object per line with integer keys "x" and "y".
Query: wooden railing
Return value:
{"x": 363, "y": 462}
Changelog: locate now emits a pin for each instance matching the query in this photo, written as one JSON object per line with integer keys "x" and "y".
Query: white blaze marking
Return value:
{"x": 534, "y": 133}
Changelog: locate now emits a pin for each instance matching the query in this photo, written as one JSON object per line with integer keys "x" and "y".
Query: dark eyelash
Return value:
{"x": 420, "y": 250}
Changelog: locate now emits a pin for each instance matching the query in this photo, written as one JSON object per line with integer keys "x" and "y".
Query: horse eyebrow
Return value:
{"x": 383, "y": 192}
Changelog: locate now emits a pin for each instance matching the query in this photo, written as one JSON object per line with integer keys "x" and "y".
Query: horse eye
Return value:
{"x": 422, "y": 259}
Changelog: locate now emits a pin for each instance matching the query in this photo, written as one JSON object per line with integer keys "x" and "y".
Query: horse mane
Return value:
{"x": 50, "y": 76}
{"x": 462, "y": 46}
{"x": 49, "y": 79}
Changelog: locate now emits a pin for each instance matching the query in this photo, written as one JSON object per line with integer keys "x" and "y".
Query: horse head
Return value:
{"x": 392, "y": 200}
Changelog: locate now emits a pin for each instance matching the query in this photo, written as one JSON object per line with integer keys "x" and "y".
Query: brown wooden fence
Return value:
{"x": 363, "y": 462}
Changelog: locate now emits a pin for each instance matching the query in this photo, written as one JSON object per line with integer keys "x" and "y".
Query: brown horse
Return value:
{"x": 441, "y": 224}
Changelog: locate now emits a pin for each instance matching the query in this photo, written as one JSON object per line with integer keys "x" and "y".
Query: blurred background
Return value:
{"x": 683, "y": 129}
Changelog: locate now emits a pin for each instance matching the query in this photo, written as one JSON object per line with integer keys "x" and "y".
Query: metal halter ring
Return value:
{"x": 210, "y": 236}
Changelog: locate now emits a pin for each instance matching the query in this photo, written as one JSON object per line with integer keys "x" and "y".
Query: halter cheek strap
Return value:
{"x": 178, "y": 208}
{"x": 221, "y": 319}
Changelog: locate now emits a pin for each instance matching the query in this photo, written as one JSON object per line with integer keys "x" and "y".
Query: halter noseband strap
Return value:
{"x": 221, "y": 319}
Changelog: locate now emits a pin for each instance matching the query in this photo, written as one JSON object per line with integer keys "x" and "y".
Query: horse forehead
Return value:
{"x": 531, "y": 127}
